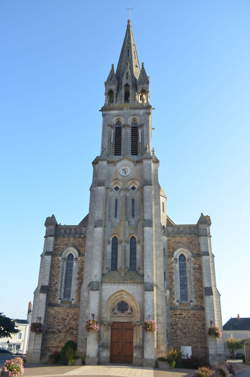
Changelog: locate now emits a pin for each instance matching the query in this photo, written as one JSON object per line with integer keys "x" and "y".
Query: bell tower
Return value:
{"x": 123, "y": 243}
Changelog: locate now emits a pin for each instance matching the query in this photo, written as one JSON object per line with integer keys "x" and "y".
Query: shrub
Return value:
{"x": 222, "y": 371}
{"x": 68, "y": 352}
{"x": 204, "y": 372}
{"x": 230, "y": 368}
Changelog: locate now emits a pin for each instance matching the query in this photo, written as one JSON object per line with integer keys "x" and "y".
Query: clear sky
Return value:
{"x": 55, "y": 56}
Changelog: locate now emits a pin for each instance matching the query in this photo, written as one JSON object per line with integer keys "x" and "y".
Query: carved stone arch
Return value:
{"x": 70, "y": 250}
{"x": 117, "y": 297}
{"x": 134, "y": 120}
{"x": 116, "y": 182}
{"x": 183, "y": 251}
{"x": 118, "y": 120}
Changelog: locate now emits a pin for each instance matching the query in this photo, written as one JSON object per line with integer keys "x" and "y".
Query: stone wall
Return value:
{"x": 62, "y": 318}
{"x": 187, "y": 324}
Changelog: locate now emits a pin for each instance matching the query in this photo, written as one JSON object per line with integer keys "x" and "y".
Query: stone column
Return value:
{"x": 211, "y": 295}
{"x": 94, "y": 254}
{"x": 40, "y": 294}
{"x": 149, "y": 337}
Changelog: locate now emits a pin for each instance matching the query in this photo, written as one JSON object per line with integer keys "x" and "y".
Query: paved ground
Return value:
{"x": 101, "y": 370}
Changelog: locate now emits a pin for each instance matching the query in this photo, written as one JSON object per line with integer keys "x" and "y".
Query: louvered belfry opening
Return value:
{"x": 118, "y": 141}
{"x": 134, "y": 140}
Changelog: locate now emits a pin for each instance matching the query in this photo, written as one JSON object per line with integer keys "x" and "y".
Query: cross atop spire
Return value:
{"x": 128, "y": 55}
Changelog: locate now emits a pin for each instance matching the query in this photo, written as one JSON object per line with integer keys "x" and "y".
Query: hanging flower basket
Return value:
{"x": 150, "y": 325}
{"x": 36, "y": 327}
{"x": 214, "y": 331}
{"x": 92, "y": 325}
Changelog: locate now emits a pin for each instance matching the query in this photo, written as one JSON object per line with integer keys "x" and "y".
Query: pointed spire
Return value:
{"x": 143, "y": 78}
{"x": 204, "y": 220}
{"x": 51, "y": 220}
{"x": 111, "y": 79}
{"x": 128, "y": 55}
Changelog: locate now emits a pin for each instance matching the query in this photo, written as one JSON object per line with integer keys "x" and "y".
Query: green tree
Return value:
{"x": 233, "y": 344}
{"x": 7, "y": 326}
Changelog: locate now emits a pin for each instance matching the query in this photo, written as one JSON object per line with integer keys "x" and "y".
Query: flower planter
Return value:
{"x": 150, "y": 326}
{"x": 92, "y": 325}
{"x": 214, "y": 331}
{"x": 36, "y": 327}
{"x": 163, "y": 365}
{"x": 5, "y": 373}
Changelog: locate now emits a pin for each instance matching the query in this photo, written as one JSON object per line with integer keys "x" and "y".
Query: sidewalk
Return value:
{"x": 101, "y": 370}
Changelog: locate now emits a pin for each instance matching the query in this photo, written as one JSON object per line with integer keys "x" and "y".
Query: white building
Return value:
{"x": 18, "y": 342}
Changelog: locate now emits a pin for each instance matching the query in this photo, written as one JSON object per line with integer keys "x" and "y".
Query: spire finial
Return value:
{"x": 129, "y": 14}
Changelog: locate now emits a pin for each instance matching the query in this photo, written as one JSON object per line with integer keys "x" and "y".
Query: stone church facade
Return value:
{"x": 127, "y": 262}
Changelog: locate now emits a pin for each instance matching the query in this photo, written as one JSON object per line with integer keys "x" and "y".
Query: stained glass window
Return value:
{"x": 68, "y": 277}
{"x": 114, "y": 253}
{"x": 132, "y": 260}
{"x": 116, "y": 207}
{"x": 183, "y": 278}
{"x": 133, "y": 207}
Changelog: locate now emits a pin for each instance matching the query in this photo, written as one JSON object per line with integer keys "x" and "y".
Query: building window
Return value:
{"x": 126, "y": 93}
{"x": 116, "y": 208}
{"x": 133, "y": 207}
{"x": 132, "y": 259}
{"x": 118, "y": 140}
{"x": 134, "y": 140}
{"x": 110, "y": 96}
{"x": 114, "y": 253}
{"x": 68, "y": 277}
{"x": 183, "y": 278}
{"x": 163, "y": 207}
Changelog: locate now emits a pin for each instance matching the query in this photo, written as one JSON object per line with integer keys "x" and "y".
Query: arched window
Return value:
{"x": 116, "y": 208}
{"x": 110, "y": 96}
{"x": 114, "y": 253}
{"x": 134, "y": 140}
{"x": 68, "y": 277}
{"x": 118, "y": 140}
{"x": 132, "y": 259}
{"x": 133, "y": 207}
{"x": 126, "y": 93}
{"x": 183, "y": 278}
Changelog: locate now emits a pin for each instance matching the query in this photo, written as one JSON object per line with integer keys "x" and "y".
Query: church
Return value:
{"x": 127, "y": 284}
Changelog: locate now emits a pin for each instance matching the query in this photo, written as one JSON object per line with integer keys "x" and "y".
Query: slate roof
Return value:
{"x": 237, "y": 324}
{"x": 23, "y": 321}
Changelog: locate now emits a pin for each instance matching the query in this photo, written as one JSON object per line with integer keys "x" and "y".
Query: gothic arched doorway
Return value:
{"x": 121, "y": 347}
{"x": 125, "y": 337}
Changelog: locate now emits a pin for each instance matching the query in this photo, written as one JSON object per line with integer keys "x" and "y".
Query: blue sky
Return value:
{"x": 55, "y": 57}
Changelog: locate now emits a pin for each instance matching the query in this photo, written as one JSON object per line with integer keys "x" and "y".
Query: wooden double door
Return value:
{"x": 121, "y": 349}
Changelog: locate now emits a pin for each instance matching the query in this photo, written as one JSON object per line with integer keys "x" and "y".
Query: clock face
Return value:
{"x": 124, "y": 171}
